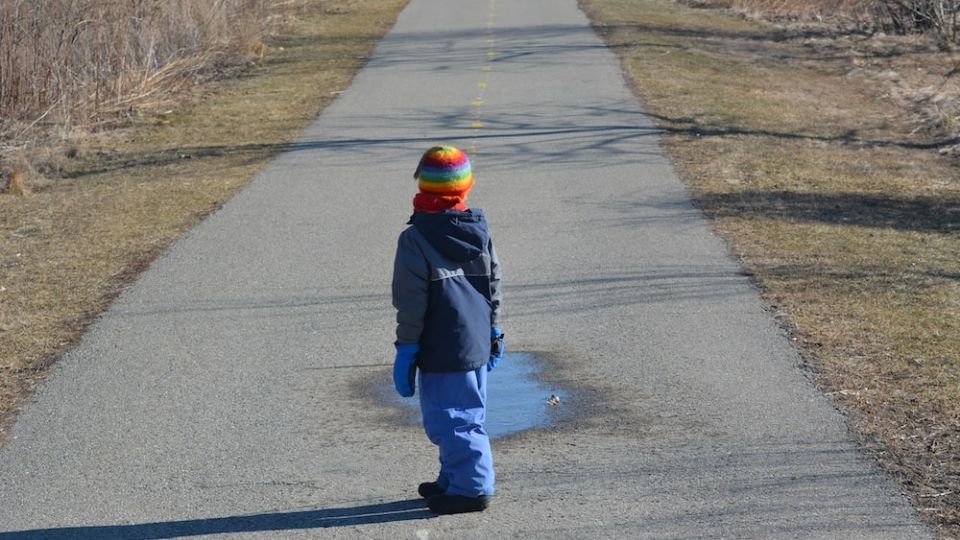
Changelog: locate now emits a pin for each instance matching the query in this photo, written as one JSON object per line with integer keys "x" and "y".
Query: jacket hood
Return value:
{"x": 458, "y": 235}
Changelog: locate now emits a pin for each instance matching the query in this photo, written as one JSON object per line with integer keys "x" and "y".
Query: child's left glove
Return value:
{"x": 497, "y": 347}
{"x": 405, "y": 368}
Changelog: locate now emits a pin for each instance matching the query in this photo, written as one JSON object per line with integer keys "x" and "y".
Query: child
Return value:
{"x": 446, "y": 288}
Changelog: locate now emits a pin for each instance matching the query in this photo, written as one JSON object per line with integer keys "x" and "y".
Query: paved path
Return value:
{"x": 225, "y": 393}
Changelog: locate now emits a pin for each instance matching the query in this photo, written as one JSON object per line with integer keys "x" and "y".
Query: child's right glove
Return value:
{"x": 405, "y": 368}
{"x": 497, "y": 347}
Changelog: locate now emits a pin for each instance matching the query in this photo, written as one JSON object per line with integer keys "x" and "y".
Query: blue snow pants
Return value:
{"x": 453, "y": 406}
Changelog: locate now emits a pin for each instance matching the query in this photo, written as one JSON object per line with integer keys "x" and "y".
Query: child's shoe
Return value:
{"x": 457, "y": 504}
{"x": 429, "y": 489}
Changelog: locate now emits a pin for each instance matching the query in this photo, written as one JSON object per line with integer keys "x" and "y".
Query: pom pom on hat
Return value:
{"x": 444, "y": 171}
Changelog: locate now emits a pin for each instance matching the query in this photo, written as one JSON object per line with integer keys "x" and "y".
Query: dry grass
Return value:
{"x": 846, "y": 213}
{"x": 112, "y": 203}
{"x": 15, "y": 185}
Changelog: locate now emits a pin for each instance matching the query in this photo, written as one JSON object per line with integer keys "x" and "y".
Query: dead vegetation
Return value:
{"x": 916, "y": 67}
{"x": 849, "y": 11}
{"x": 827, "y": 157}
{"x": 14, "y": 183}
{"x": 80, "y": 63}
{"x": 939, "y": 19}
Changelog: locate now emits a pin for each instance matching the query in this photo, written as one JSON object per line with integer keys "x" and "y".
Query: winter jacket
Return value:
{"x": 446, "y": 288}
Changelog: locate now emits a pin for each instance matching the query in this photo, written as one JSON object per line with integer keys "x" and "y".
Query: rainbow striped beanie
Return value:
{"x": 444, "y": 171}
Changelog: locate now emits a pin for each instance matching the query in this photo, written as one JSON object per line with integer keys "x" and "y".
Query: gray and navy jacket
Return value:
{"x": 446, "y": 288}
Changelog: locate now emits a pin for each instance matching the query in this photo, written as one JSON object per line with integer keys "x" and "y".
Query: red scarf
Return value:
{"x": 432, "y": 203}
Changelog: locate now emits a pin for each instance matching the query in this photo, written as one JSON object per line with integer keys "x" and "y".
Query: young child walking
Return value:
{"x": 446, "y": 288}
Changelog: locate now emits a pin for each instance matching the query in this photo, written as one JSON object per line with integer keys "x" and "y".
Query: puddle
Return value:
{"x": 516, "y": 399}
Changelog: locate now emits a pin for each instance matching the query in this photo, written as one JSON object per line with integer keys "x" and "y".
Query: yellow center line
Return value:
{"x": 477, "y": 102}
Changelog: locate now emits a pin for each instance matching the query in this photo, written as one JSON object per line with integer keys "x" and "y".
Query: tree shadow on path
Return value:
{"x": 278, "y": 521}
{"x": 590, "y": 128}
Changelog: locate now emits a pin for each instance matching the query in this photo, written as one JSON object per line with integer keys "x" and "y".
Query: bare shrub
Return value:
{"x": 939, "y": 17}
{"x": 70, "y": 62}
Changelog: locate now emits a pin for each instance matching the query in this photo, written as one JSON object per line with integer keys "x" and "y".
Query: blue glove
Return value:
{"x": 497, "y": 347}
{"x": 405, "y": 368}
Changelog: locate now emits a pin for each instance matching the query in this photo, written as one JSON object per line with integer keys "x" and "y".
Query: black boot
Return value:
{"x": 429, "y": 489}
{"x": 457, "y": 504}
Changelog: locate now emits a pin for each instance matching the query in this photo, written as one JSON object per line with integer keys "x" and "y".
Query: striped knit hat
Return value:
{"x": 444, "y": 172}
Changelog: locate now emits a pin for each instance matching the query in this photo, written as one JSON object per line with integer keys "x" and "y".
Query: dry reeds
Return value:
{"x": 75, "y": 62}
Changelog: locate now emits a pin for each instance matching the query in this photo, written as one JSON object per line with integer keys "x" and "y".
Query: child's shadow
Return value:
{"x": 278, "y": 521}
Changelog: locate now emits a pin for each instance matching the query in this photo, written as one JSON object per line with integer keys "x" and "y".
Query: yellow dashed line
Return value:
{"x": 476, "y": 124}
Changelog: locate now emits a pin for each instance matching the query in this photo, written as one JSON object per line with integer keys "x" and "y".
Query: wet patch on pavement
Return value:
{"x": 517, "y": 398}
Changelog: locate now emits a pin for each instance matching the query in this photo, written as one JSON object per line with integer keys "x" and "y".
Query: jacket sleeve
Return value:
{"x": 496, "y": 296}
{"x": 411, "y": 280}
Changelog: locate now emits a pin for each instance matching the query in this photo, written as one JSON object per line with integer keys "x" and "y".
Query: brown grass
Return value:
{"x": 846, "y": 213}
{"x": 15, "y": 184}
{"x": 111, "y": 203}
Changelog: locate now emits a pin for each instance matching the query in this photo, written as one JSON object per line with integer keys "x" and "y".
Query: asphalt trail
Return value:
{"x": 226, "y": 394}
